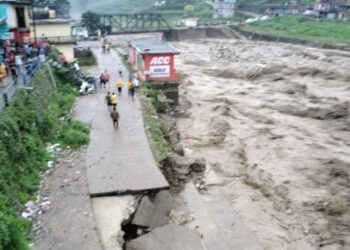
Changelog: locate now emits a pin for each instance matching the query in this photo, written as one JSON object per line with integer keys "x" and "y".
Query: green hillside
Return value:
{"x": 327, "y": 31}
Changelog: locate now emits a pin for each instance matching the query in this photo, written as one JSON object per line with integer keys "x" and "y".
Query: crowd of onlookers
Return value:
{"x": 21, "y": 61}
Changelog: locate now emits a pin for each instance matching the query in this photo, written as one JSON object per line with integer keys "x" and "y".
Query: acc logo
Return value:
{"x": 160, "y": 60}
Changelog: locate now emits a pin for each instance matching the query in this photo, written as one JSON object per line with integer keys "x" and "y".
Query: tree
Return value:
{"x": 91, "y": 21}
{"x": 62, "y": 7}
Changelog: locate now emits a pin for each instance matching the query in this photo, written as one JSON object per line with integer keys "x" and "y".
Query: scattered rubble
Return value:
{"x": 171, "y": 237}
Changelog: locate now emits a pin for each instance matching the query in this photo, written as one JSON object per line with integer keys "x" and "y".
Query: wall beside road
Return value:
{"x": 199, "y": 33}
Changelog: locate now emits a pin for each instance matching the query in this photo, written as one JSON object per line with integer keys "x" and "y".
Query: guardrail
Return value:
{"x": 13, "y": 84}
{"x": 62, "y": 40}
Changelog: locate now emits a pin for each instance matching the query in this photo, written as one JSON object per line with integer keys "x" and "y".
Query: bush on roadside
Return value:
{"x": 74, "y": 134}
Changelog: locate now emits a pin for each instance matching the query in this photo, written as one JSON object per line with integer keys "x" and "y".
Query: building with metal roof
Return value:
{"x": 153, "y": 59}
{"x": 152, "y": 46}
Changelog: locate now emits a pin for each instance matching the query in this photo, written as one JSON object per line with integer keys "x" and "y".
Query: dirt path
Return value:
{"x": 68, "y": 223}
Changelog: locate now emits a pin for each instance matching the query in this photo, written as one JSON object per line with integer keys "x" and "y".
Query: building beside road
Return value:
{"x": 16, "y": 13}
{"x": 153, "y": 60}
{"x": 224, "y": 8}
{"x": 57, "y": 31}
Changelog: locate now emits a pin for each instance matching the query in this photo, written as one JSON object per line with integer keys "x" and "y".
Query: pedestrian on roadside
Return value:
{"x": 128, "y": 85}
{"x": 120, "y": 69}
{"x": 109, "y": 99}
{"x": 114, "y": 100}
{"x": 136, "y": 83}
{"x": 115, "y": 118}
{"x": 132, "y": 90}
{"x": 63, "y": 59}
{"x": 108, "y": 48}
{"x": 106, "y": 77}
{"x": 119, "y": 86}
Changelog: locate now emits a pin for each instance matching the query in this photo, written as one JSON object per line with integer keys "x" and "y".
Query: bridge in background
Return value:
{"x": 133, "y": 23}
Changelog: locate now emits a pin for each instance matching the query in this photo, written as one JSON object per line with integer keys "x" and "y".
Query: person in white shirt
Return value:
{"x": 136, "y": 83}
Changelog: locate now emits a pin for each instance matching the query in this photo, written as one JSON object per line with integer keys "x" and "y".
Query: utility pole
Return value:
{"x": 34, "y": 22}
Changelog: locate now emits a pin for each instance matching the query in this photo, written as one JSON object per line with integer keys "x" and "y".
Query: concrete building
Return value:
{"x": 153, "y": 60}
{"x": 280, "y": 9}
{"x": 58, "y": 33}
{"x": 335, "y": 9}
{"x": 224, "y": 8}
{"x": 17, "y": 22}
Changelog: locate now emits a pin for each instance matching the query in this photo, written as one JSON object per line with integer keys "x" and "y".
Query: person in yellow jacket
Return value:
{"x": 3, "y": 74}
{"x": 129, "y": 86}
{"x": 119, "y": 86}
{"x": 114, "y": 99}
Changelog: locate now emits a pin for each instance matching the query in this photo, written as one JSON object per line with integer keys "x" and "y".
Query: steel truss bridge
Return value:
{"x": 133, "y": 23}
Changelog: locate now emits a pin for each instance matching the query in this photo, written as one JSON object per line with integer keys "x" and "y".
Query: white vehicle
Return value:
{"x": 86, "y": 88}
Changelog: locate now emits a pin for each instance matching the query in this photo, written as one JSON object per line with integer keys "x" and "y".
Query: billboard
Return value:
{"x": 3, "y": 19}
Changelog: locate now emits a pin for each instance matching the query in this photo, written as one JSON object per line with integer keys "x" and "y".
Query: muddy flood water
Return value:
{"x": 272, "y": 121}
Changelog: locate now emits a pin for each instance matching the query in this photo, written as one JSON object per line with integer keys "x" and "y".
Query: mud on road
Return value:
{"x": 273, "y": 122}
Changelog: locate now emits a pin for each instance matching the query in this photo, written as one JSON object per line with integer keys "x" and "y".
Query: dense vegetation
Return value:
{"x": 151, "y": 107}
{"x": 261, "y": 2}
{"x": 32, "y": 120}
{"x": 326, "y": 31}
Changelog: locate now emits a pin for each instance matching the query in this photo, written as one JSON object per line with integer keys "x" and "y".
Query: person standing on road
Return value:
{"x": 102, "y": 81}
{"x": 114, "y": 100}
{"x": 109, "y": 99}
{"x": 115, "y": 118}
{"x": 106, "y": 77}
{"x": 119, "y": 86}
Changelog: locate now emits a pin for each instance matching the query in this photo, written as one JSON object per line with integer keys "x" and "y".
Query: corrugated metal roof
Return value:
{"x": 51, "y": 21}
{"x": 152, "y": 46}
{"x": 16, "y": 1}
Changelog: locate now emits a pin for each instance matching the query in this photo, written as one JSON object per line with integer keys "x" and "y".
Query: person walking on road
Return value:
{"x": 114, "y": 100}
{"x": 129, "y": 85}
{"x": 136, "y": 83}
{"x": 115, "y": 118}
{"x": 119, "y": 86}
{"x": 132, "y": 90}
{"x": 120, "y": 69}
{"x": 109, "y": 99}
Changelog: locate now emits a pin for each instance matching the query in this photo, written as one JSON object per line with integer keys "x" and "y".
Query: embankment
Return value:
{"x": 272, "y": 38}
{"x": 36, "y": 115}
{"x": 199, "y": 33}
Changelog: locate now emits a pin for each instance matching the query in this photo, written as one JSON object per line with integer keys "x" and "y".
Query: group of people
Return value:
{"x": 104, "y": 79}
{"x": 112, "y": 98}
{"x": 106, "y": 47}
{"x": 22, "y": 60}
